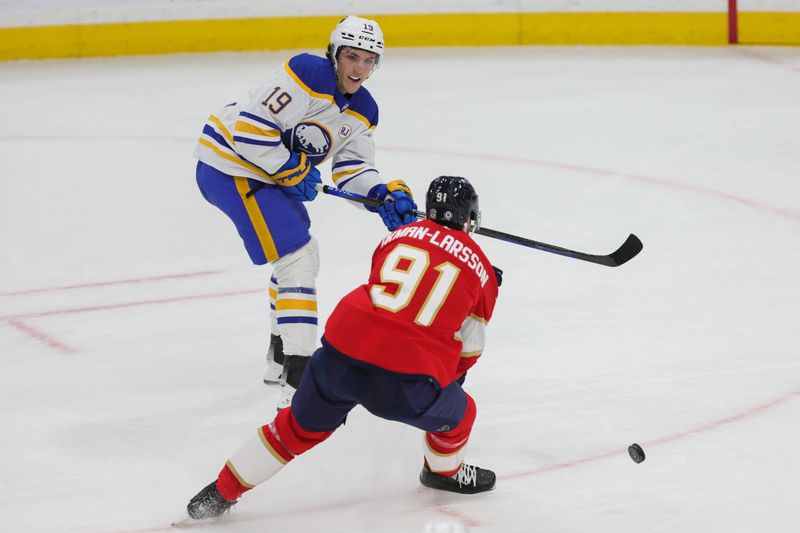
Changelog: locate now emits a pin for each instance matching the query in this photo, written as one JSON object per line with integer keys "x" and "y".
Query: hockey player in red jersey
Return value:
{"x": 433, "y": 288}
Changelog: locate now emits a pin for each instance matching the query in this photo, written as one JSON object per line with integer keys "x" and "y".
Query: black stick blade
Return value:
{"x": 629, "y": 249}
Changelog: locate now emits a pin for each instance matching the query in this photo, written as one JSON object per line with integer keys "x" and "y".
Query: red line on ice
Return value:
{"x": 458, "y": 515}
{"x": 753, "y": 53}
{"x": 15, "y": 320}
{"x": 124, "y": 305}
{"x": 40, "y": 336}
{"x": 708, "y": 426}
{"x": 728, "y": 420}
{"x": 748, "y": 202}
{"x": 111, "y": 282}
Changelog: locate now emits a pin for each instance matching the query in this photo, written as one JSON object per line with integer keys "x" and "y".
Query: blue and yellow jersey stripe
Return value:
{"x": 362, "y": 118}
{"x": 362, "y": 107}
{"x": 252, "y": 129}
{"x": 313, "y": 74}
{"x": 344, "y": 171}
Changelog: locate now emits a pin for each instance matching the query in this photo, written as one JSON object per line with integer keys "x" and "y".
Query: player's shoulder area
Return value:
{"x": 314, "y": 74}
{"x": 364, "y": 105}
{"x": 465, "y": 238}
{"x": 469, "y": 243}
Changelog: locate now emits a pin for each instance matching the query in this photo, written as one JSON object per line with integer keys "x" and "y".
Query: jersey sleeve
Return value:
{"x": 473, "y": 330}
{"x": 353, "y": 166}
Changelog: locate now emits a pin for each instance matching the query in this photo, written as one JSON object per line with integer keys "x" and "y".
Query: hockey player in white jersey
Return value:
{"x": 257, "y": 162}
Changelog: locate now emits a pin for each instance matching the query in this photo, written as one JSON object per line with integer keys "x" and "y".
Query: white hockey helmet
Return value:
{"x": 356, "y": 32}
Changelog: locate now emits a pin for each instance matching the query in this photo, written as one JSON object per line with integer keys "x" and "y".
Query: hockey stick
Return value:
{"x": 372, "y": 202}
{"x": 627, "y": 251}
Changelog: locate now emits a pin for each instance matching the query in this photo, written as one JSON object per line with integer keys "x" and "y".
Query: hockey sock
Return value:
{"x": 273, "y": 299}
{"x": 257, "y": 460}
{"x": 292, "y": 437}
{"x": 445, "y": 451}
{"x": 229, "y": 486}
{"x": 263, "y": 455}
{"x": 295, "y": 313}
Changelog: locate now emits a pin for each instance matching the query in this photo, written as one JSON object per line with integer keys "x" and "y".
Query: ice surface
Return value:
{"x": 133, "y": 327}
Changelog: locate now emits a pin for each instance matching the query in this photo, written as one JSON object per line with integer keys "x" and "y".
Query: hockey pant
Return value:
{"x": 331, "y": 386}
{"x": 270, "y": 223}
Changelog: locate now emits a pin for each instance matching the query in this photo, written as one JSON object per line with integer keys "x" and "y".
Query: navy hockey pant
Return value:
{"x": 333, "y": 384}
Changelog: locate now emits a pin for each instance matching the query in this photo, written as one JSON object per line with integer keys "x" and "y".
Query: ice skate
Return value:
{"x": 274, "y": 361}
{"x": 293, "y": 368}
{"x": 468, "y": 480}
{"x": 285, "y": 398}
{"x": 273, "y": 374}
{"x": 208, "y": 503}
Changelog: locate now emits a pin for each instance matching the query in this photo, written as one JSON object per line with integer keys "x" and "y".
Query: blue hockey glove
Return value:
{"x": 298, "y": 178}
{"x": 498, "y": 274}
{"x": 398, "y": 207}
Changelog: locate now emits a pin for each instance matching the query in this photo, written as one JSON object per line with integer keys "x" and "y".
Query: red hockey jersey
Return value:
{"x": 430, "y": 294}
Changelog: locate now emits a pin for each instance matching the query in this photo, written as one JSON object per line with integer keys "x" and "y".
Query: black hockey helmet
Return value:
{"x": 452, "y": 202}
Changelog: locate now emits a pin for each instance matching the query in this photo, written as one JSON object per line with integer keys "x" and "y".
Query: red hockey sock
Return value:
{"x": 294, "y": 438}
{"x": 445, "y": 449}
{"x": 228, "y": 486}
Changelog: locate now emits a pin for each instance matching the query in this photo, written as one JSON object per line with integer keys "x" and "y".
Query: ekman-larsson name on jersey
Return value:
{"x": 448, "y": 243}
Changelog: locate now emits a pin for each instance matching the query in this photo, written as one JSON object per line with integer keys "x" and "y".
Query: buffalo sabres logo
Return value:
{"x": 312, "y": 139}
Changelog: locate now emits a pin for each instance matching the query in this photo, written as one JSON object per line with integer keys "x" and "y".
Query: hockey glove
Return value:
{"x": 398, "y": 205}
{"x": 298, "y": 178}
{"x": 498, "y": 274}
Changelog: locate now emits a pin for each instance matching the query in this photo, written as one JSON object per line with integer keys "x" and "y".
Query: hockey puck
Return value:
{"x": 636, "y": 452}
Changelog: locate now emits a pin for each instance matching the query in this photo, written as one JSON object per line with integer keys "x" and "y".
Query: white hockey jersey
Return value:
{"x": 299, "y": 110}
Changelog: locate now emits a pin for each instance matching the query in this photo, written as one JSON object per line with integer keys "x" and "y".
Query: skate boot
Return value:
{"x": 285, "y": 398}
{"x": 208, "y": 503}
{"x": 274, "y": 361}
{"x": 293, "y": 368}
{"x": 468, "y": 480}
